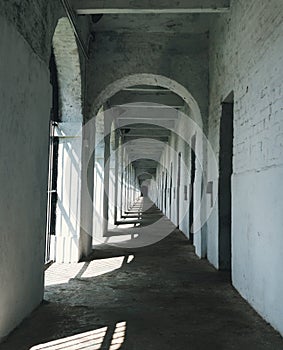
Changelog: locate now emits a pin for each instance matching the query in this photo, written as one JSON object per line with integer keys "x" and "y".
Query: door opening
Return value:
{"x": 165, "y": 191}
{"x": 224, "y": 190}
{"x": 162, "y": 192}
{"x": 178, "y": 188}
{"x": 193, "y": 176}
{"x": 53, "y": 166}
{"x": 171, "y": 189}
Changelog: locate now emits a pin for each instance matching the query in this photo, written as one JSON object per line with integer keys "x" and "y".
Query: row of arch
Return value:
{"x": 71, "y": 207}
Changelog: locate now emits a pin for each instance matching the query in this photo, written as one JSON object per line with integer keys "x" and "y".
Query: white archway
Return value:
{"x": 69, "y": 71}
{"x": 69, "y": 132}
{"x": 194, "y": 126}
{"x": 152, "y": 80}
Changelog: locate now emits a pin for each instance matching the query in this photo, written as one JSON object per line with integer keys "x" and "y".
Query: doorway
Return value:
{"x": 165, "y": 192}
{"x": 224, "y": 190}
{"x": 53, "y": 166}
{"x": 170, "y": 189}
{"x": 162, "y": 192}
{"x": 193, "y": 176}
{"x": 178, "y": 188}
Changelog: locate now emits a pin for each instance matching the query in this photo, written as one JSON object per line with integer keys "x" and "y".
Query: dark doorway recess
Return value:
{"x": 53, "y": 163}
{"x": 224, "y": 190}
{"x": 171, "y": 189}
{"x": 193, "y": 176}
{"x": 144, "y": 191}
{"x": 165, "y": 191}
{"x": 162, "y": 191}
{"x": 178, "y": 189}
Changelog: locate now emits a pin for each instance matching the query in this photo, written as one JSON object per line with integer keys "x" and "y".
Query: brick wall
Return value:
{"x": 246, "y": 56}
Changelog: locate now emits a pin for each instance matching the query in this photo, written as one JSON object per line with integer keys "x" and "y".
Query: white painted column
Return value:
{"x": 86, "y": 232}
{"x": 69, "y": 192}
{"x": 117, "y": 176}
{"x": 107, "y": 139}
{"x": 112, "y": 181}
{"x": 98, "y": 190}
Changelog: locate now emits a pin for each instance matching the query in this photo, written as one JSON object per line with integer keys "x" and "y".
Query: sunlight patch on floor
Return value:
{"x": 63, "y": 273}
{"x": 118, "y": 336}
{"x": 102, "y": 266}
{"x": 93, "y": 340}
{"x": 130, "y": 259}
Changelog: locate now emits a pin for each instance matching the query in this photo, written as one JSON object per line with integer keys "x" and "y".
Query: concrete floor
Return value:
{"x": 158, "y": 297}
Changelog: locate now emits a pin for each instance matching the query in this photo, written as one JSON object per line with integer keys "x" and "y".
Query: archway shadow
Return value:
{"x": 126, "y": 298}
{"x": 152, "y": 296}
{"x": 147, "y": 227}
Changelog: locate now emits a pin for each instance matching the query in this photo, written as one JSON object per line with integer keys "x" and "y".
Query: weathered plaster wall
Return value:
{"x": 167, "y": 182}
{"x": 69, "y": 131}
{"x": 98, "y": 192}
{"x": 69, "y": 72}
{"x": 68, "y": 213}
{"x": 35, "y": 20}
{"x": 246, "y": 56}
{"x": 25, "y": 99}
{"x": 182, "y": 58}
{"x": 27, "y": 29}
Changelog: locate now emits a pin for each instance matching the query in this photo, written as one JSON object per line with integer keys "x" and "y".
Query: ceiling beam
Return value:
{"x": 145, "y": 147}
{"x": 155, "y": 156}
{"x": 92, "y": 7}
{"x": 147, "y": 135}
{"x": 166, "y": 124}
{"x": 158, "y": 138}
{"x": 142, "y": 167}
{"x": 146, "y": 89}
{"x": 148, "y": 105}
{"x": 146, "y": 170}
{"x": 145, "y": 100}
{"x": 134, "y": 114}
{"x": 122, "y": 121}
{"x": 144, "y": 128}
{"x": 145, "y": 161}
{"x": 146, "y": 132}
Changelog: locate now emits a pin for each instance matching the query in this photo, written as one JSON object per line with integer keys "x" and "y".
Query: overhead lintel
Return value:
{"x": 92, "y": 7}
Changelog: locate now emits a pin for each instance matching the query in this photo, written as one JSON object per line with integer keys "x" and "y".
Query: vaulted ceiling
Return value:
{"x": 147, "y": 112}
{"x": 146, "y": 115}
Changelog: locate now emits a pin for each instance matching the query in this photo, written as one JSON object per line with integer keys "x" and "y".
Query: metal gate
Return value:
{"x": 52, "y": 195}
{"x": 53, "y": 166}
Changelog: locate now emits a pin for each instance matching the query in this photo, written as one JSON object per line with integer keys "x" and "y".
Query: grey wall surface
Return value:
{"x": 182, "y": 58}
{"x": 35, "y": 20}
{"x": 246, "y": 48}
{"x": 25, "y": 99}
{"x": 27, "y": 29}
{"x": 246, "y": 57}
{"x": 189, "y": 189}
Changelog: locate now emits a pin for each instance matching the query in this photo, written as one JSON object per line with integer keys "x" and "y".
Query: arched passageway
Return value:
{"x": 63, "y": 232}
{"x": 124, "y": 298}
{"x": 138, "y": 90}
{"x": 150, "y": 119}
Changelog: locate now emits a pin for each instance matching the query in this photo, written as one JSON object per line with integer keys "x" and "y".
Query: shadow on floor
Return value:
{"x": 148, "y": 227}
{"x": 160, "y": 297}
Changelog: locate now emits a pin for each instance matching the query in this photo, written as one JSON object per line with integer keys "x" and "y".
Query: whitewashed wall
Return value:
{"x": 246, "y": 57}
{"x": 25, "y": 99}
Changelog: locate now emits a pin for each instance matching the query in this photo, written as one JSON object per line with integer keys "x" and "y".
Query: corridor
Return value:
{"x": 141, "y": 166}
{"x": 157, "y": 297}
